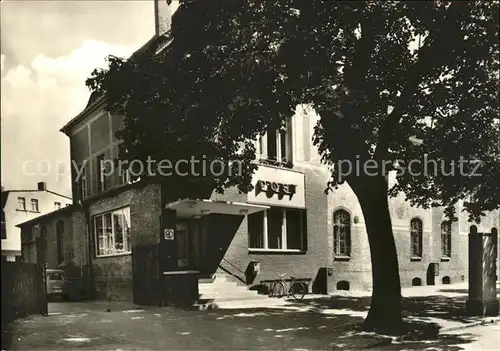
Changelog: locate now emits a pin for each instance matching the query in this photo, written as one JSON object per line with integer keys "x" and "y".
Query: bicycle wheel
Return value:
{"x": 298, "y": 290}
{"x": 277, "y": 289}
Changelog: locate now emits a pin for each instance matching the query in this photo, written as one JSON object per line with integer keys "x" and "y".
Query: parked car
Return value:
{"x": 57, "y": 284}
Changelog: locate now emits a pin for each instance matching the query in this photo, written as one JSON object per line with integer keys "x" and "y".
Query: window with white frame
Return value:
{"x": 342, "y": 233}
{"x": 416, "y": 237}
{"x": 112, "y": 232}
{"x": 276, "y": 144}
{"x": 446, "y": 239}
{"x": 278, "y": 229}
{"x": 21, "y": 203}
{"x": 34, "y": 205}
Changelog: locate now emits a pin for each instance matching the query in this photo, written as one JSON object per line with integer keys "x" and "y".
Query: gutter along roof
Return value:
{"x": 60, "y": 211}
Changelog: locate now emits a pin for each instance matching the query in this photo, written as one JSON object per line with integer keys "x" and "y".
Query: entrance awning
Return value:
{"x": 189, "y": 208}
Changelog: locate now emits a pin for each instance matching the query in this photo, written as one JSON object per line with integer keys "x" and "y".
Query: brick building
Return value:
{"x": 287, "y": 224}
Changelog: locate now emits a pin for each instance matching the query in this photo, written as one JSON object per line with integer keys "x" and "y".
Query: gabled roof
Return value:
{"x": 95, "y": 100}
{"x": 61, "y": 211}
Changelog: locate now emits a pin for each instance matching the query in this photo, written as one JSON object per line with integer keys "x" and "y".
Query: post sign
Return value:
{"x": 275, "y": 187}
{"x": 278, "y": 187}
{"x": 168, "y": 234}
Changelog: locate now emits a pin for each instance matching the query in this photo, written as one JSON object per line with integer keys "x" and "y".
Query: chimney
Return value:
{"x": 42, "y": 186}
{"x": 163, "y": 16}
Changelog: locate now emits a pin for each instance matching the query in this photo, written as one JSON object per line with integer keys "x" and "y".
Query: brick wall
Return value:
{"x": 301, "y": 265}
{"x": 113, "y": 276}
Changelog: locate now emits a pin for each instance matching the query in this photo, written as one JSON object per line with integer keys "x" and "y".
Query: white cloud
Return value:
{"x": 37, "y": 100}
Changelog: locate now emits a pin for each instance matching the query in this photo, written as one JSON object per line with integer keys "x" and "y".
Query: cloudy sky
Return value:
{"x": 48, "y": 49}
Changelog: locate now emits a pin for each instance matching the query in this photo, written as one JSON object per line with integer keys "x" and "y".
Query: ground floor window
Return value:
{"x": 278, "y": 229}
{"x": 112, "y": 232}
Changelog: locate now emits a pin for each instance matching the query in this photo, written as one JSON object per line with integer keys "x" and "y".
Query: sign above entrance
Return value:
{"x": 277, "y": 187}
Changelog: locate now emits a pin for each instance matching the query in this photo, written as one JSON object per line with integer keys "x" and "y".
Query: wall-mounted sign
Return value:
{"x": 275, "y": 187}
{"x": 168, "y": 234}
{"x": 278, "y": 187}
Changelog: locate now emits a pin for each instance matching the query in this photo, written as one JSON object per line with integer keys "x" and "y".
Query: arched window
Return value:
{"x": 416, "y": 237}
{"x": 341, "y": 233}
{"x": 60, "y": 241}
{"x": 416, "y": 282}
{"x": 343, "y": 285}
{"x": 446, "y": 239}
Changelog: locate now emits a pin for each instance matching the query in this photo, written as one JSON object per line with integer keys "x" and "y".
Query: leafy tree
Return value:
{"x": 378, "y": 73}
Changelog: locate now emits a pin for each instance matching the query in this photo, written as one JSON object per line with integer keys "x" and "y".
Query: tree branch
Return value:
{"x": 357, "y": 71}
{"x": 416, "y": 72}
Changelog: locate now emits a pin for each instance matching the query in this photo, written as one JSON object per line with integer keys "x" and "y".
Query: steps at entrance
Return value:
{"x": 224, "y": 288}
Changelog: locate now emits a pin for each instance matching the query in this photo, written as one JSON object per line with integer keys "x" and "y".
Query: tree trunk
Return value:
{"x": 384, "y": 316}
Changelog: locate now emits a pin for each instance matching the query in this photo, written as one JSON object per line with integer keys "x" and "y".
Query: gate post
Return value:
{"x": 482, "y": 299}
{"x": 167, "y": 252}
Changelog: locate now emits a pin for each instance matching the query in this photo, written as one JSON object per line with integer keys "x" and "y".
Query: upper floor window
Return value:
{"x": 112, "y": 232}
{"x": 416, "y": 237}
{"x": 278, "y": 229}
{"x": 446, "y": 239}
{"x": 34, "y": 205}
{"x": 21, "y": 201}
{"x": 342, "y": 233}
{"x": 125, "y": 176}
{"x": 82, "y": 182}
{"x": 276, "y": 144}
{"x": 57, "y": 205}
{"x": 100, "y": 176}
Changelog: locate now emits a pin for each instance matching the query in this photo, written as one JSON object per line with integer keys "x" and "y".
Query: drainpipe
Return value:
{"x": 90, "y": 257}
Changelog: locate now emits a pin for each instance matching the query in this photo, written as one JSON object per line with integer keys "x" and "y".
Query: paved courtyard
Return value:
{"x": 317, "y": 322}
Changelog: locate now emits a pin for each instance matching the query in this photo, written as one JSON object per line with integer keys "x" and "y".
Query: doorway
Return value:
{"x": 190, "y": 248}
{"x": 431, "y": 274}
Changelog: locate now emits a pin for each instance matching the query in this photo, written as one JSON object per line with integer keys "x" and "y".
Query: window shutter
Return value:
{"x": 92, "y": 177}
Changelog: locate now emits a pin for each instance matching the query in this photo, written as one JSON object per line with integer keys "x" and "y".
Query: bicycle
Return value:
{"x": 294, "y": 288}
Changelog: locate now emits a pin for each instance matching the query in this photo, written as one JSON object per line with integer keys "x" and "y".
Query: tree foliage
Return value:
{"x": 376, "y": 72}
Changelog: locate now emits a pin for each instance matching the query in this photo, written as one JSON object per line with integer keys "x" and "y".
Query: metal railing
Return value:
{"x": 232, "y": 273}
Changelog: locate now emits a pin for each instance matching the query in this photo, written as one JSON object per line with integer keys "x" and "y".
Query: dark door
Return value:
{"x": 431, "y": 274}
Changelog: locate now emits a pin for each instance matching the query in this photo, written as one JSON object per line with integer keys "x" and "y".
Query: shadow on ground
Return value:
{"x": 420, "y": 314}
{"x": 317, "y": 323}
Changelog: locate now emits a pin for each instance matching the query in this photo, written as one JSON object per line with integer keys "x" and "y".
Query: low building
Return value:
{"x": 21, "y": 205}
